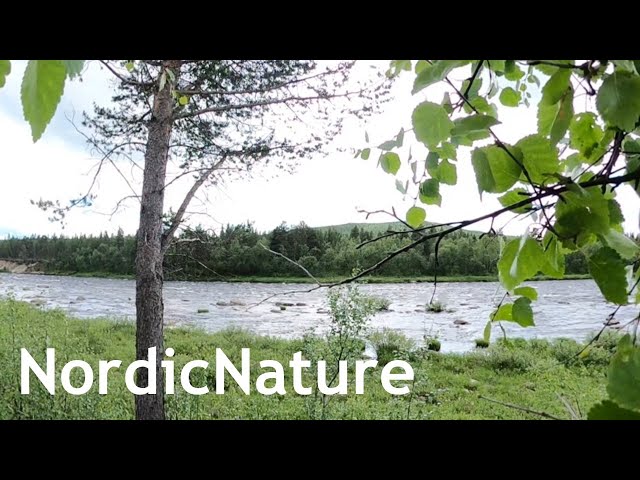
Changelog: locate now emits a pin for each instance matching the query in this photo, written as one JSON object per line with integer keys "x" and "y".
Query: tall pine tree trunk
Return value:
{"x": 149, "y": 255}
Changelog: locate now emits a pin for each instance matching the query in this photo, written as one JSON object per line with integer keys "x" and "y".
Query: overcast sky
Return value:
{"x": 322, "y": 191}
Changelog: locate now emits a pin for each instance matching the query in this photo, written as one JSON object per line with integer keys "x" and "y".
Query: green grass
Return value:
{"x": 447, "y": 386}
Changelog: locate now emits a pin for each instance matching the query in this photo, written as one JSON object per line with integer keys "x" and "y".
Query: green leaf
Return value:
{"x": 607, "y": 410}
{"x": 539, "y": 157}
{"x": 447, "y": 173}
{"x": 430, "y": 192}
{"x": 431, "y": 164}
{"x": 615, "y": 213}
{"x": 183, "y": 100}
{"x": 631, "y": 147}
{"x": 42, "y": 88}
{"x": 364, "y": 155}
{"x": 483, "y": 106}
{"x": 473, "y": 123}
{"x": 496, "y": 65}
{"x": 554, "y": 119}
{"x": 495, "y": 170}
{"x": 5, "y": 70}
{"x": 522, "y": 313}
{"x": 503, "y": 313}
{"x": 521, "y": 259}
{"x": 388, "y": 145}
{"x": 390, "y": 162}
{"x": 509, "y": 97}
{"x": 633, "y": 164}
{"x": 585, "y": 134}
{"x": 446, "y": 103}
{"x": 582, "y": 212}
{"x": 421, "y": 65}
{"x": 402, "y": 188}
{"x": 618, "y": 100}
{"x": 129, "y": 66}
{"x": 416, "y": 216}
{"x": 435, "y": 72}
{"x": 551, "y": 69}
{"x": 431, "y": 124}
{"x": 622, "y": 244}
{"x": 400, "y": 65}
{"x": 475, "y": 87}
{"x": 74, "y": 68}
{"x": 625, "y": 65}
{"x": 556, "y": 87}
{"x": 608, "y": 271}
{"x": 515, "y": 196}
{"x": 486, "y": 334}
{"x": 529, "y": 292}
{"x": 512, "y": 71}
{"x": 554, "y": 261}
{"x": 400, "y": 138}
{"x": 624, "y": 375}
{"x": 446, "y": 150}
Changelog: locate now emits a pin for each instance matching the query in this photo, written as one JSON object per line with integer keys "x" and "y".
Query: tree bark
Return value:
{"x": 149, "y": 254}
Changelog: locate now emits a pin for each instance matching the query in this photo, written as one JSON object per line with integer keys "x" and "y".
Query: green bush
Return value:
{"x": 389, "y": 344}
{"x": 509, "y": 356}
{"x": 481, "y": 343}
{"x": 432, "y": 344}
{"x": 378, "y": 304}
{"x": 435, "y": 307}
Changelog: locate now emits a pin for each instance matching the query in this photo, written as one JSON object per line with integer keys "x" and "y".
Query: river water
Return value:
{"x": 568, "y": 308}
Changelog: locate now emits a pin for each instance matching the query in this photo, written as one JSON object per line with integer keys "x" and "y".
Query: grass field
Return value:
{"x": 532, "y": 374}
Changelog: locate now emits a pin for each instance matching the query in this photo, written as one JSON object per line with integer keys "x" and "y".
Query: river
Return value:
{"x": 568, "y": 308}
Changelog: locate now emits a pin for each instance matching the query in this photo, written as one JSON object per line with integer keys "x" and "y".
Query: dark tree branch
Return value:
{"x": 262, "y": 103}
{"x": 211, "y": 93}
{"x": 124, "y": 79}
{"x": 521, "y": 408}
{"x": 557, "y": 190}
{"x": 294, "y": 263}
{"x": 168, "y": 235}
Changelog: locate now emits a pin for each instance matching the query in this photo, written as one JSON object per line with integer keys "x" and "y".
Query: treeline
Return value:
{"x": 239, "y": 250}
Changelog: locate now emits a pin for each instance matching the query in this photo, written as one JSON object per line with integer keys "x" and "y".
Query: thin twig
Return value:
{"x": 309, "y": 274}
{"x": 521, "y": 408}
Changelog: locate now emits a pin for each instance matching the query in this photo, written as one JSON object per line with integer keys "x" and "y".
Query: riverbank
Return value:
{"x": 447, "y": 386}
{"x": 308, "y": 280}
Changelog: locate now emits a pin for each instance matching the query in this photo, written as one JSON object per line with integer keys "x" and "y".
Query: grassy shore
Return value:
{"x": 447, "y": 386}
{"x": 368, "y": 279}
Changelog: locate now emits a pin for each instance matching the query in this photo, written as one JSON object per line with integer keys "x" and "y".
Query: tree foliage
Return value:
{"x": 563, "y": 178}
{"x": 42, "y": 88}
{"x": 237, "y": 251}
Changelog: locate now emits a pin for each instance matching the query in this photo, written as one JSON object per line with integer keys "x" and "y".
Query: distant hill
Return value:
{"x": 346, "y": 228}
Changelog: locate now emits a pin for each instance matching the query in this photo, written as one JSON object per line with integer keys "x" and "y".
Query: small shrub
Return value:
{"x": 386, "y": 353}
{"x": 378, "y": 304}
{"x": 389, "y": 344}
{"x": 435, "y": 307}
{"x": 432, "y": 344}
{"x": 510, "y": 355}
{"x": 481, "y": 343}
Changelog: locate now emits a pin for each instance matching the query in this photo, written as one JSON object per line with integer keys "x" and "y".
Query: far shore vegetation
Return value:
{"x": 239, "y": 253}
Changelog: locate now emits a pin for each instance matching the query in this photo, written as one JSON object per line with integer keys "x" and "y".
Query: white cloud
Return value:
{"x": 322, "y": 191}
